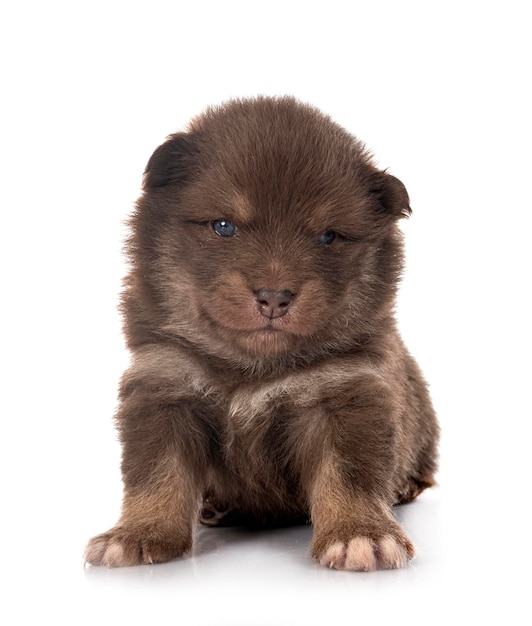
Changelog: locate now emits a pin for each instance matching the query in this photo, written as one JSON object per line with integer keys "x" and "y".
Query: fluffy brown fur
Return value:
{"x": 268, "y": 381}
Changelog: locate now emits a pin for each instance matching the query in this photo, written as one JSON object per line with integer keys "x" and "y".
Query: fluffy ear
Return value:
{"x": 172, "y": 162}
{"x": 391, "y": 195}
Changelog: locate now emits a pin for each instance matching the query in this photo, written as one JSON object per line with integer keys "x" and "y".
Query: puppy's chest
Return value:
{"x": 251, "y": 404}
{"x": 272, "y": 417}
{"x": 257, "y": 417}
{"x": 267, "y": 420}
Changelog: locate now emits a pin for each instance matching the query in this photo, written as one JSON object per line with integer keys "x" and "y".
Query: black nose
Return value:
{"x": 272, "y": 303}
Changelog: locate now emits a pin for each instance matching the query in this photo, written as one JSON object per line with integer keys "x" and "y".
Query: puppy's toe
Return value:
{"x": 95, "y": 550}
{"x": 104, "y": 550}
{"x": 334, "y": 556}
{"x": 360, "y": 555}
{"x": 392, "y": 554}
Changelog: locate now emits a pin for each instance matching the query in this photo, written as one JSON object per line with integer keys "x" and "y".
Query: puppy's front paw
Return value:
{"x": 364, "y": 554}
{"x": 123, "y": 546}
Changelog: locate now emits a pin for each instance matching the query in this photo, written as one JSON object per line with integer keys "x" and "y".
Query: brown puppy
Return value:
{"x": 268, "y": 380}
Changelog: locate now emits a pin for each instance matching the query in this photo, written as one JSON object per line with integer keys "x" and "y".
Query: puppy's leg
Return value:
{"x": 354, "y": 530}
{"x": 163, "y": 453}
{"x": 351, "y": 493}
{"x": 155, "y": 526}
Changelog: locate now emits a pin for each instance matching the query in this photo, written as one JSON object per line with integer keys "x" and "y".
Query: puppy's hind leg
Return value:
{"x": 213, "y": 514}
{"x": 411, "y": 489}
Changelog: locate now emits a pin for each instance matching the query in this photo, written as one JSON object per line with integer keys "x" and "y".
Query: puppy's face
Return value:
{"x": 267, "y": 231}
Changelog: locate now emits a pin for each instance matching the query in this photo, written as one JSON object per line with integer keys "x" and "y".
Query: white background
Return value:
{"x": 441, "y": 94}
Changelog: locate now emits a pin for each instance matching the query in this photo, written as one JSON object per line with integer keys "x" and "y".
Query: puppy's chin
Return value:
{"x": 266, "y": 342}
{"x": 256, "y": 340}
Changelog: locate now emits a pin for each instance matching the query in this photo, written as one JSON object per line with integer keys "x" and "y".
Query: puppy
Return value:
{"x": 268, "y": 381}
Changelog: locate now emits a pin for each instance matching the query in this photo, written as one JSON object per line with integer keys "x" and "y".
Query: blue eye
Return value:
{"x": 327, "y": 237}
{"x": 224, "y": 228}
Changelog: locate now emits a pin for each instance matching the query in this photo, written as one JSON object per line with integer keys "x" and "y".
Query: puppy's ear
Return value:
{"x": 390, "y": 195}
{"x": 172, "y": 162}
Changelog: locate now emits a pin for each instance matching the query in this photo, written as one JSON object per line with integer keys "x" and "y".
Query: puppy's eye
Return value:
{"x": 224, "y": 228}
{"x": 327, "y": 237}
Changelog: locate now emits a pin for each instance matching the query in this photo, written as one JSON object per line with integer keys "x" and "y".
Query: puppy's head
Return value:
{"x": 264, "y": 231}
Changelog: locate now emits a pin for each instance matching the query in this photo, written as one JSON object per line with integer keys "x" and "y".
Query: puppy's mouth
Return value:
{"x": 269, "y": 328}
{"x": 268, "y": 338}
